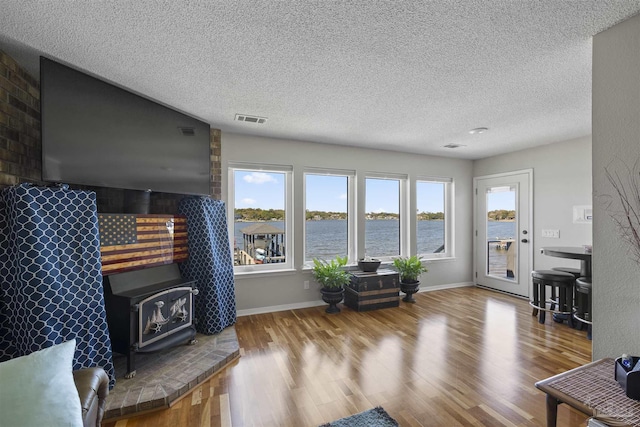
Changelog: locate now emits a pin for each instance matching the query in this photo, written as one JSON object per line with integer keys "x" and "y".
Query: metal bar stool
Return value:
{"x": 570, "y": 270}
{"x": 583, "y": 303}
{"x": 576, "y": 274}
{"x": 559, "y": 280}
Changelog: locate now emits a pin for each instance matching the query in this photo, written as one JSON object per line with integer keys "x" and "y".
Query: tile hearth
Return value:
{"x": 164, "y": 377}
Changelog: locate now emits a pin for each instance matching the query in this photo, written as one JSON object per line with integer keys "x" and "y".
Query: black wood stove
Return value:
{"x": 148, "y": 310}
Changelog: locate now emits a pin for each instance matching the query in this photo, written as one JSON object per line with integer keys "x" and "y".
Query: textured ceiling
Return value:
{"x": 398, "y": 75}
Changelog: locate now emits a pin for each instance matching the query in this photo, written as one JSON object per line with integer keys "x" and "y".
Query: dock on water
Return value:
{"x": 262, "y": 243}
{"x": 501, "y": 243}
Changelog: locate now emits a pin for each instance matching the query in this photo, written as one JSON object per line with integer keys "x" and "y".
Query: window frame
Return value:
{"x": 289, "y": 214}
{"x": 403, "y": 214}
{"x": 351, "y": 210}
{"x": 449, "y": 216}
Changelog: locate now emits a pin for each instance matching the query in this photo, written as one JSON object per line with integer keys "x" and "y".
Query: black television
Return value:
{"x": 97, "y": 134}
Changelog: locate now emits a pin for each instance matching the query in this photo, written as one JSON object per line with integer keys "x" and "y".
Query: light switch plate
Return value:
{"x": 552, "y": 234}
{"x": 582, "y": 214}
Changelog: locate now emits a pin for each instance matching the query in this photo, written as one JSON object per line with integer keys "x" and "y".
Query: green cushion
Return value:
{"x": 38, "y": 389}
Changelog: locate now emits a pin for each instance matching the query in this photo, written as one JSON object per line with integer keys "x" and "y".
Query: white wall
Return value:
{"x": 270, "y": 290}
{"x": 616, "y": 138}
{"x": 561, "y": 180}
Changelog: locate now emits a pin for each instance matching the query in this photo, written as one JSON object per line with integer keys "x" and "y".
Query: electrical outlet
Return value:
{"x": 306, "y": 284}
{"x": 552, "y": 234}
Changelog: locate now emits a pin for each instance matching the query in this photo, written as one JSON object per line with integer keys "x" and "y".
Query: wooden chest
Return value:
{"x": 370, "y": 291}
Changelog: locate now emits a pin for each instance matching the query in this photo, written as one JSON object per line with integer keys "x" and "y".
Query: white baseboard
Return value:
{"x": 445, "y": 286}
{"x": 283, "y": 307}
{"x": 316, "y": 303}
{"x": 502, "y": 292}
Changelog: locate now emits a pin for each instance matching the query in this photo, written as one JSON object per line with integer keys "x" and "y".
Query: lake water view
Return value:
{"x": 327, "y": 238}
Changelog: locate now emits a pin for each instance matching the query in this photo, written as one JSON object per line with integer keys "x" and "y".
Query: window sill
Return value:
{"x": 309, "y": 268}
{"x": 248, "y": 274}
{"x": 348, "y": 267}
{"x": 443, "y": 259}
{"x": 387, "y": 264}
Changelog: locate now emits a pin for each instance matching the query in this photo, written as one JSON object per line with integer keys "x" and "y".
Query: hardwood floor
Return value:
{"x": 457, "y": 357}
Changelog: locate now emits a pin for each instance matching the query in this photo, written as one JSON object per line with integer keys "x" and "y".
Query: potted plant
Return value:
{"x": 332, "y": 278}
{"x": 410, "y": 269}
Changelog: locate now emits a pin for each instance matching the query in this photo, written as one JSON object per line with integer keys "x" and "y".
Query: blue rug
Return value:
{"x": 376, "y": 417}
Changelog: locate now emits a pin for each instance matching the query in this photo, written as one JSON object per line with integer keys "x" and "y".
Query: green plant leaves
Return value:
{"x": 330, "y": 273}
{"x": 409, "y": 268}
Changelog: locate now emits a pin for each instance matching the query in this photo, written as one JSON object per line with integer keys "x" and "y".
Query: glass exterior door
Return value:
{"x": 502, "y": 241}
{"x": 501, "y": 220}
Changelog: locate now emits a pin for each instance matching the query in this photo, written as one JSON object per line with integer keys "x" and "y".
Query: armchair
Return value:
{"x": 93, "y": 388}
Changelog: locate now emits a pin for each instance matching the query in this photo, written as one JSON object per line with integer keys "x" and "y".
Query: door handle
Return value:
{"x": 524, "y": 241}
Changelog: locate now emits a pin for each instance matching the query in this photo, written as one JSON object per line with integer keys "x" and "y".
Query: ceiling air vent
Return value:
{"x": 187, "y": 131}
{"x": 250, "y": 119}
{"x": 453, "y": 146}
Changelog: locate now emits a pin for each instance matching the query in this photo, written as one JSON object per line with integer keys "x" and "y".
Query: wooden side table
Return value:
{"x": 592, "y": 390}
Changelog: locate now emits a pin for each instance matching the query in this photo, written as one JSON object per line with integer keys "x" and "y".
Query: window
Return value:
{"x": 383, "y": 216}
{"x": 260, "y": 205}
{"x": 343, "y": 214}
{"x": 328, "y": 215}
{"x": 433, "y": 229}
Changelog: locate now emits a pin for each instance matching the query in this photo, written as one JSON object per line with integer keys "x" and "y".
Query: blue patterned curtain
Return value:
{"x": 209, "y": 263}
{"x": 50, "y": 275}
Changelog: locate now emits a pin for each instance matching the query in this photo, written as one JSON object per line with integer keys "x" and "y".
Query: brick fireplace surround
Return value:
{"x": 164, "y": 378}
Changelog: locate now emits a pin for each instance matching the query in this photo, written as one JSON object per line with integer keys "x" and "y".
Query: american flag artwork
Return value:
{"x": 132, "y": 241}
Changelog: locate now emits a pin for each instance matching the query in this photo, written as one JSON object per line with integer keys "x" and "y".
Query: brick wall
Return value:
{"x": 216, "y": 164}
{"x": 21, "y": 150}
